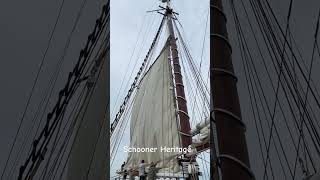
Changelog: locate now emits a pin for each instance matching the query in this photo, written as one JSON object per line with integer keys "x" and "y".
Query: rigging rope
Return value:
{"x": 306, "y": 95}
{"x": 133, "y": 85}
{"x": 128, "y": 65}
{"x": 52, "y": 82}
{"x": 33, "y": 86}
{"x": 292, "y": 89}
{"x": 75, "y": 109}
{"x": 65, "y": 95}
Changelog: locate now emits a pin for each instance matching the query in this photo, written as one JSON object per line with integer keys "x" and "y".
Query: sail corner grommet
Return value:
{"x": 238, "y": 162}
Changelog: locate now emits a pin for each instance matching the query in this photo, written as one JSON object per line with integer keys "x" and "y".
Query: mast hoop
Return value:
{"x": 238, "y": 162}
{"x": 178, "y": 111}
{"x": 185, "y": 134}
{"x": 175, "y": 50}
{"x": 178, "y": 73}
{"x": 220, "y": 11}
{"x": 176, "y": 64}
{"x": 225, "y": 72}
{"x": 229, "y": 113}
{"x": 180, "y": 97}
{"x": 179, "y": 84}
{"x": 222, "y": 38}
{"x": 212, "y": 116}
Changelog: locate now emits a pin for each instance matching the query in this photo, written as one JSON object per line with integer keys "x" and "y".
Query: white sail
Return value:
{"x": 89, "y": 153}
{"x": 153, "y": 120}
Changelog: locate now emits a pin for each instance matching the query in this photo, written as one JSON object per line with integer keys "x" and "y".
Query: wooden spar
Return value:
{"x": 186, "y": 138}
{"x": 233, "y": 157}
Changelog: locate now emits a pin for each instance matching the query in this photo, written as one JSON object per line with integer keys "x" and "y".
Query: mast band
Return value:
{"x": 225, "y": 72}
{"x": 239, "y": 162}
{"x": 223, "y": 38}
{"x": 235, "y": 117}
{"x": 220, "y": 11}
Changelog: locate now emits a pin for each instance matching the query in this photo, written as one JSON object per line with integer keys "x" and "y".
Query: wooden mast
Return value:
{"x": 186, "y": 138}
{"x": 233, "y": 157}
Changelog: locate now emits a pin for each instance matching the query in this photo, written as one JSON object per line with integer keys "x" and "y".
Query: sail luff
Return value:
{"x": 233, "y": 151}
{"x": 186, "y": 138}
{"x": 154, "y": 107}
{"x": 142, "y": 68}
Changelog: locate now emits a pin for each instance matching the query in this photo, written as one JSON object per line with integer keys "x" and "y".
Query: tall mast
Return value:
{"x": 186, "y": 138}
{"x": 233, "y": 153}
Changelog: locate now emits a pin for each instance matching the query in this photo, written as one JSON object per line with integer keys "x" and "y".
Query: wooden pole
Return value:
{"x": 233, "y": 157}
{"x": 185, "y": 129}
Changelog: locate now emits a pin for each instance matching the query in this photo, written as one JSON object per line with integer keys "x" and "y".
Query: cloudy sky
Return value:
{"x": 128, "y": 18}
{"x": 26, "y": 26}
